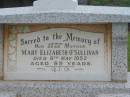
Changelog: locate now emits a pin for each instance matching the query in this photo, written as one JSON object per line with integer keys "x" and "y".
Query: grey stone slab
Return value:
{"x": 119, "y": 51}
{"x": 1, "y": 51}
{"x": 65, "y": 89}
{"x": 80, "y": 15}
{"x": 62, "y": 89}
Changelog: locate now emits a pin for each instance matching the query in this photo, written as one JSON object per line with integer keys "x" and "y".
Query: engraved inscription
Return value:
{"x": 61, "y": 50}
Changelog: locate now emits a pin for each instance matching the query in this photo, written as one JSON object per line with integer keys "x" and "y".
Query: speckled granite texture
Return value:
{"x": 80, "y": 15}
{"x": 119, "y": 51}
{"x": 62, "y": 89}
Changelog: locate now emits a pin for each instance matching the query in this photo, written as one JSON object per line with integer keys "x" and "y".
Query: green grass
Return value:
{"x": 129, "y": 51}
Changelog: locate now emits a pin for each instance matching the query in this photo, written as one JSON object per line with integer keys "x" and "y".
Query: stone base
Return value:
{"x": 63, "y": 89}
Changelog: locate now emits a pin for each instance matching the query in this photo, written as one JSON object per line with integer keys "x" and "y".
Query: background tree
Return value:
{"x": 109, "y": 2}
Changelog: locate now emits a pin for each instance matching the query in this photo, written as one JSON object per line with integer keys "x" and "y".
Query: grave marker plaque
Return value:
{"x": 74, "y": 48}
{"x": 57, "y": 52}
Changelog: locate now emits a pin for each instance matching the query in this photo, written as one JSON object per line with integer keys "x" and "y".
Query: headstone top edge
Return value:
{"x": 44, "y": 5}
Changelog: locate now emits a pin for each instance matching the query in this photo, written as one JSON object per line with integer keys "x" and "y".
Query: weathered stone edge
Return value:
{"x": 65, "y": 18}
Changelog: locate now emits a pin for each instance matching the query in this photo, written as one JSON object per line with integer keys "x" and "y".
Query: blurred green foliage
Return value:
{"x": 110, "y": 2}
